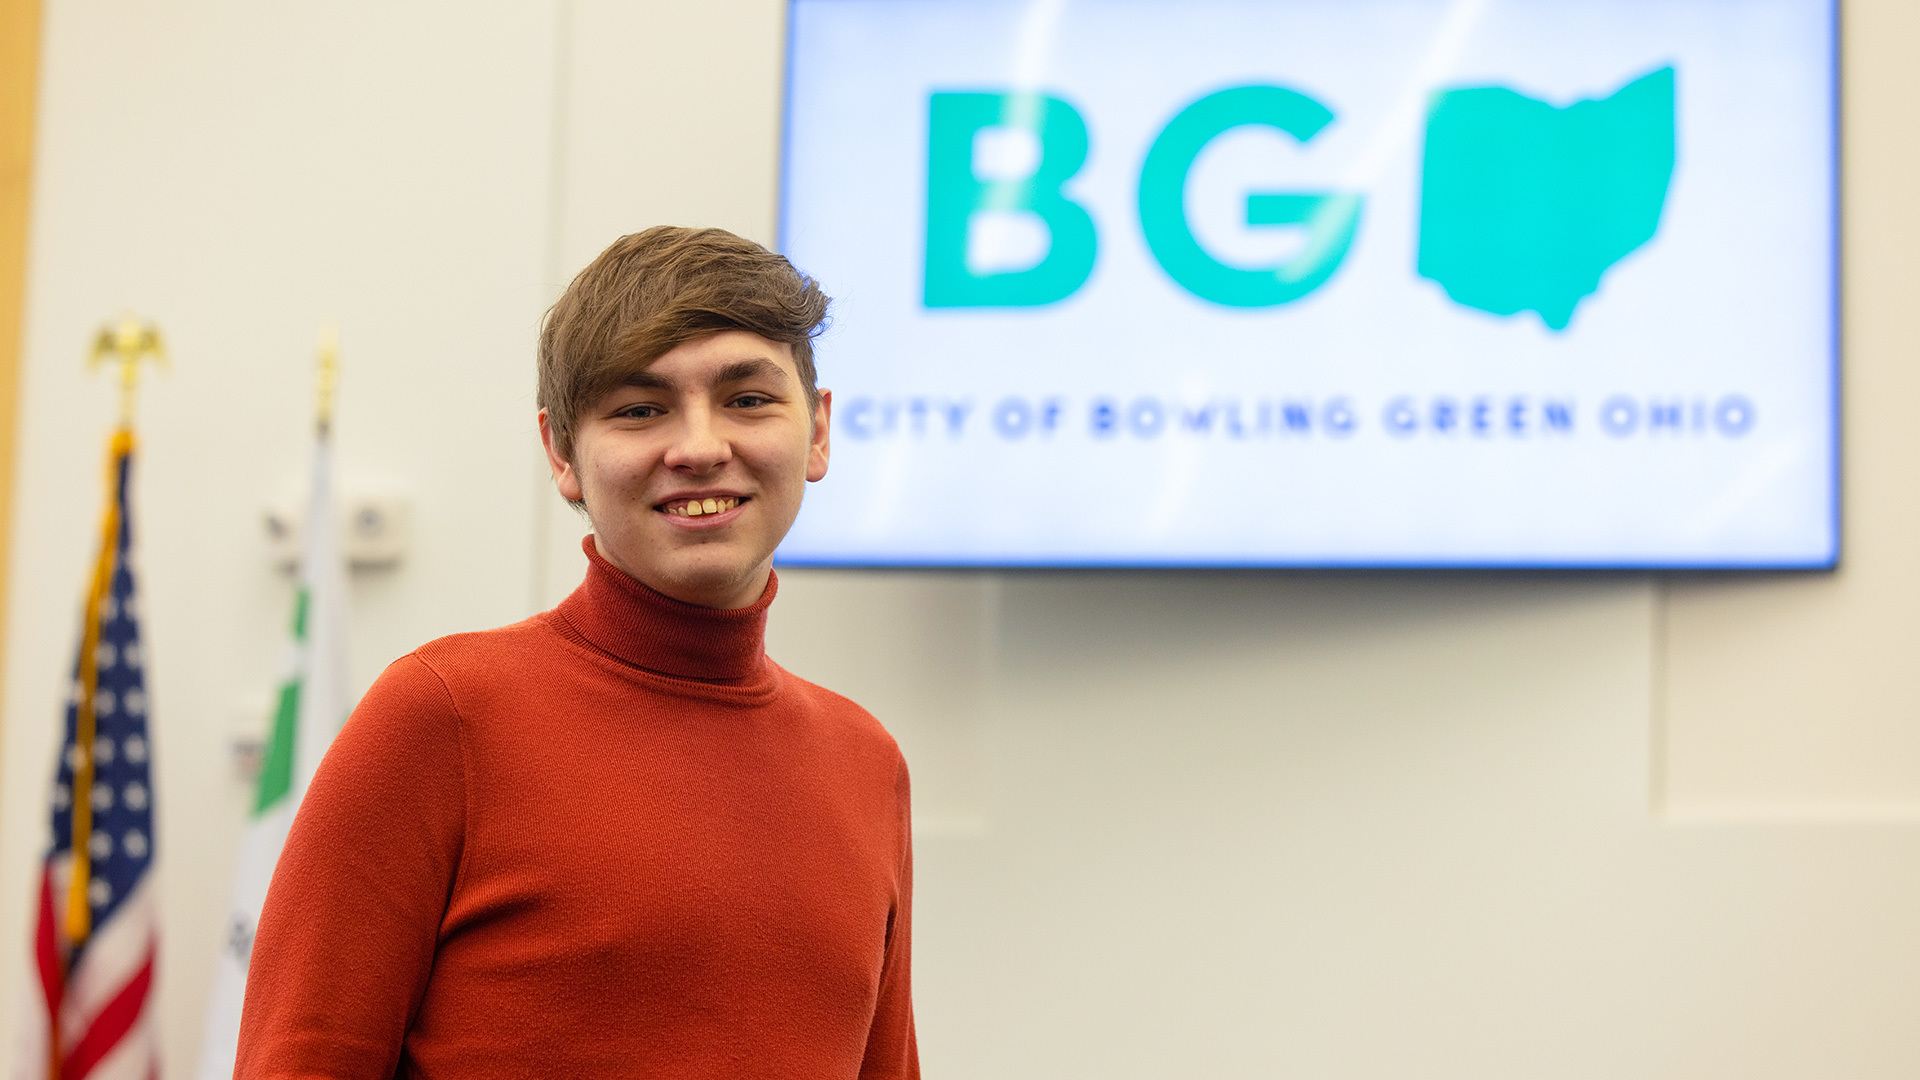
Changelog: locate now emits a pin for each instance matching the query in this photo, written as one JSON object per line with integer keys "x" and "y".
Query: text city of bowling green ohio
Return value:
{"x": 1405, "y": 417}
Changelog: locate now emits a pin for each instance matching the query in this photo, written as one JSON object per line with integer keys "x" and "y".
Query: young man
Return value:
{"x": 616, "y": 839}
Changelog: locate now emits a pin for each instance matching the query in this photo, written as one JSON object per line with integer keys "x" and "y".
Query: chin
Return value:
{"x": 689, "y": 574}
{"x": 716, "y": 580}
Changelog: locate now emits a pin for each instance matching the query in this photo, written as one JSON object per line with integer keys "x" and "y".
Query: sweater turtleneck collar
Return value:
{"x": 618, "y": 615}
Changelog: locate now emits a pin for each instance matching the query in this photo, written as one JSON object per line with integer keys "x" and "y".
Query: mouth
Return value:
{"x": 705, "y": 510}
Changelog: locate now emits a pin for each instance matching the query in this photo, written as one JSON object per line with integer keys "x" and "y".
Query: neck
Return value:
{"x": 619, "y": 615}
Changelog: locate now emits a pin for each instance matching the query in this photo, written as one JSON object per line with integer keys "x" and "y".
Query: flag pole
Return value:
{"x": 311, "y": 703}
{"x": 327, "y": 379}
{"x": 125, "y": 344}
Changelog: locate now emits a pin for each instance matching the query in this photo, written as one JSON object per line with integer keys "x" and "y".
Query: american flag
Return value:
{"x": 95, "y": 939}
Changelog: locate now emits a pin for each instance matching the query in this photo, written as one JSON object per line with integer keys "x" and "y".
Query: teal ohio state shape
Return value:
{"x": 1525, "y": 206}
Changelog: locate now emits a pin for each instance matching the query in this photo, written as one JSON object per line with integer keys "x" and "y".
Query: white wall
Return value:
{"x": 245, "y": 176}
{"x": 1235, "y": 825}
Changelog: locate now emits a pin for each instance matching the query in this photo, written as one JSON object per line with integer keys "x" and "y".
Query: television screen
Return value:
{"x": 1497, "y": 283}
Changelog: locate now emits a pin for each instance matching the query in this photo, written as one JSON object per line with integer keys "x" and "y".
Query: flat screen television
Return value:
{"x": 1324, "y": 283}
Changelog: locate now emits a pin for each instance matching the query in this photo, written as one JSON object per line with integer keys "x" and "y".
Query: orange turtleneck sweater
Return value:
{"x": 612, "y": 840}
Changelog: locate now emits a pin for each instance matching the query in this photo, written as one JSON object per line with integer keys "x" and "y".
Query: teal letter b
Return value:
{"x": 1329, "y": 220}
{"x": 955, "y": 194}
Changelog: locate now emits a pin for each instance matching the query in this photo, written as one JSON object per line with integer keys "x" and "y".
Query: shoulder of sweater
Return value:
{"x": 485, "y": 647}
{"x": 849, "y": 713}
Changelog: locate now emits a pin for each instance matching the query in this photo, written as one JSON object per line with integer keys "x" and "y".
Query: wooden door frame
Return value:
{"x": 19, "y": 94}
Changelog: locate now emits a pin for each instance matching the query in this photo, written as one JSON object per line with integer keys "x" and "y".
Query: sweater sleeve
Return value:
{"x": 347, "y": 935}
{"x": 893, "y": 1051}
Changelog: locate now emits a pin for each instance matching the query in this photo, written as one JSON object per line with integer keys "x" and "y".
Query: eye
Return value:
{"x": 751, "y": 401}
{"x": 638, "y": 412}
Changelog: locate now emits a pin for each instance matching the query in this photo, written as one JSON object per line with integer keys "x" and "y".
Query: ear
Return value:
{"x": 817, "y": 451}
{"x": 564, "y": 476}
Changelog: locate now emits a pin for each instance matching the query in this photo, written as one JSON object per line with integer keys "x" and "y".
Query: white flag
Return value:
{"x": 313, "y": 704}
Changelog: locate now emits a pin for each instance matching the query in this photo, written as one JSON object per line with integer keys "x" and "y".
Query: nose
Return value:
{"x": 699, "y": 445}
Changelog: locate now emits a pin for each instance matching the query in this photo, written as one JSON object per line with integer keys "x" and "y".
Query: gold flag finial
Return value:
{"x": 127, "y": 343}
{"x": 327, "y": 378}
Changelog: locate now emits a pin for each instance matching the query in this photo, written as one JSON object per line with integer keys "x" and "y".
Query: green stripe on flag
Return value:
{"x": 276, "y": 769}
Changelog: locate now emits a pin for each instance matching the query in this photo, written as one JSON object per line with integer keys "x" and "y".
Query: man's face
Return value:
{"x": 722, "y": 421}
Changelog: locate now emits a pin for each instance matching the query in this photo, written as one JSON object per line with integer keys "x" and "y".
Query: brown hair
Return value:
{"x": 654, "y": 290}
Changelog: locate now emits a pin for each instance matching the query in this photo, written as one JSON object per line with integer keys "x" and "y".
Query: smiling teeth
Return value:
{"x": 697, "y": 507}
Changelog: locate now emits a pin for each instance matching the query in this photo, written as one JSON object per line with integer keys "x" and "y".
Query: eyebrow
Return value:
{"x": 738, "y": 371}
